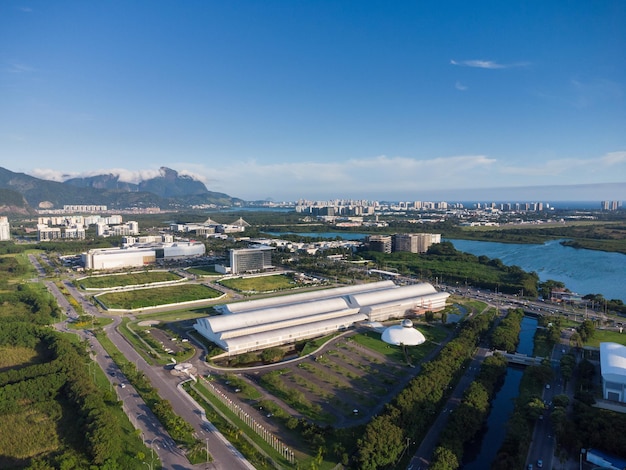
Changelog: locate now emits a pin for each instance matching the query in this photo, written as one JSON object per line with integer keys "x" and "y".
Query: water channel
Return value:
{"x": 483, "y": 450}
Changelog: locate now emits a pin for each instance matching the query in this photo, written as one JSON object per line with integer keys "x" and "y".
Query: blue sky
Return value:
{"x": 319, "y": 99}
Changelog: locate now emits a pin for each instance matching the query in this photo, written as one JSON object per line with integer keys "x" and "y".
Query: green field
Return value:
{"x": 128, "y": 279}
{"x": 433, "y": 334}
{"x": 156, "y": 296}
{"x": 260, "y": 283}
{"x": 605, "y": 336}
{"x": 203, "y": 270}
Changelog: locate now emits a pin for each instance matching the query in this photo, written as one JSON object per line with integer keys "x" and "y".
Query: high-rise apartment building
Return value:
{"x": 381, "y": 243}
{"x": 414, "y": 242}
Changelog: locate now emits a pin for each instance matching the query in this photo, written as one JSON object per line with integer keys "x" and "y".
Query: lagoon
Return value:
{"x": 582, "y": 271}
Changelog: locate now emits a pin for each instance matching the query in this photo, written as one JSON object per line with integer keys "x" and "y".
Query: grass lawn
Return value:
{"x": 260, "y": 283}
{"x": 128, "y": 279}
{"x": 433, "y": 334}
{"x": 153, "y": 297}
{"x": 604, "y": 336}
{"x": 203, "y": 270}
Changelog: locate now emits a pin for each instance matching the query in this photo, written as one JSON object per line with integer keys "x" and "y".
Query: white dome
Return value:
{"x": 403, "y": 334}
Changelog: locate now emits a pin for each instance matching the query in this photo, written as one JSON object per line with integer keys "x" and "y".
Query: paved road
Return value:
{"x": 225, "y": 456}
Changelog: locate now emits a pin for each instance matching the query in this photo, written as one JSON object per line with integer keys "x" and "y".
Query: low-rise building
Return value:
{"x": 142, "y": 255}
{"x": 263, "y": 323}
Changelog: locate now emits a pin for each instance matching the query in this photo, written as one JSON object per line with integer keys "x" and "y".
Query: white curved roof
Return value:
{"x": 267, "y": 322}
{"x": 271, "y": 315}
{"x": 308, "y": 320}
{"x": 389, "y": 295}
{"x": 249, "y": 305}
{"x": 290, "y": 334}
{"x": 613, "y": 362}
{"x": 403, "y": 333}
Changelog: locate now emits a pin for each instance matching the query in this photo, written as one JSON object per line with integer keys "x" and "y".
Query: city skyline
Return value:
{"x": 282, "y": 101}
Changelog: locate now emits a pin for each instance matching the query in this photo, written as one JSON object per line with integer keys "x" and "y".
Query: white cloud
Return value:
{"x": 384, "y": 176}
{"x": 574, "y": 167}
{"x": 20, "y": 68}
{"x": 613, "y": 158}
{"x": 459, "y": 86}
{"x": 48, "y": 174}
{"x": 349, "y": 178}
{"x": 486, "y": 64}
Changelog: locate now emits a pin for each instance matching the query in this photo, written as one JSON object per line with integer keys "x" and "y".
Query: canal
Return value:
{"x": 481, "y": 452}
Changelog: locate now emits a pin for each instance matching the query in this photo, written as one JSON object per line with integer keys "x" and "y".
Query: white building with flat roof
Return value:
{"x": 613, "y": 370}
{"x": 140, "y": 255}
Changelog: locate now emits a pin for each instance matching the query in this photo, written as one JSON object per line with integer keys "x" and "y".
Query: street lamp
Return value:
{"x": 207, "y": 452}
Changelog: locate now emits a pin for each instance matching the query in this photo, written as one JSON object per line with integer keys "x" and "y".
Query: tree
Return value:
{"x": 444, "y": 459}
{"x": 586, "y": 330}
{"x": 381, "y": 445}
{"x": 272, "y": 355}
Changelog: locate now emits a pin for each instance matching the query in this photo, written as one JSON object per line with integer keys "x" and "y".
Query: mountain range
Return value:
{"x": 22, "y": 193}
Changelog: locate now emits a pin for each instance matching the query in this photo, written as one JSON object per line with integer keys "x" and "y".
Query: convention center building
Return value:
{"x": 263, "y": 323}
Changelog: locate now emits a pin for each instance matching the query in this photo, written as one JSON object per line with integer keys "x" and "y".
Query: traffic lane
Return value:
{"x": 225, "y": 455}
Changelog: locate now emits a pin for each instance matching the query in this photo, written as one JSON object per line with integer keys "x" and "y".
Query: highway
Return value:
{"x": 160, "y": 443}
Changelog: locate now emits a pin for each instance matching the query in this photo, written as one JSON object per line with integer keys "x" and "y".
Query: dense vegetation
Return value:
{"x": 413, "y": 411}
{"x": 59, "y": 417}
{"x": 467, "y": 420}
{"x": 447, "y": 264}
{"x": 587, "y": 426}
{"x": 505, "y": 336}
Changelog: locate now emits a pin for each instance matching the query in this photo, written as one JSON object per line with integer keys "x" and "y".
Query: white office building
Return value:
{"x": 253, "y": 259}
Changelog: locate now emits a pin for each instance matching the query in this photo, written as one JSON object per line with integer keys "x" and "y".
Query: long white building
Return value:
{"x": 137, "y": 256}
{"x": 263, "y": 323}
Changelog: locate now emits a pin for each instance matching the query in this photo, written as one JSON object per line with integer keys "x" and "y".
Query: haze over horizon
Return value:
{"x": 321, "y": 100}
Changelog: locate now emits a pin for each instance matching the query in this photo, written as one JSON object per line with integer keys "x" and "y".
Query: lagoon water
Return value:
{"x": 582, "y": 271}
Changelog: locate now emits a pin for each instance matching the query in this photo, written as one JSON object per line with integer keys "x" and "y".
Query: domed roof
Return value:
{"x": 403, "y": 333}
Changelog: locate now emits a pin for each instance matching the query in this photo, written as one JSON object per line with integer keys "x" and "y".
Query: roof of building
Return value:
{"x": 403, "y": 334}
{"x": 253, "y": 305}
{"x": 613, "y": 362}
{"x": 266, "y": 322}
